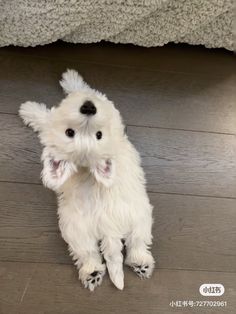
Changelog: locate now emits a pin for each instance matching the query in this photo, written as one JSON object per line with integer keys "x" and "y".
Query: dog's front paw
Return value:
{"x": 143, "y": 271}
{"x": 93, "y": 279}
{"x": 142, "y": 263}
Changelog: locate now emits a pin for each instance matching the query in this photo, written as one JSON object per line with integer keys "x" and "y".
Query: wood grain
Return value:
{"x": 29, "y": 227}
{"x": 169, "y": 58}
{"x": 20, "y": 151}
{"x": 55, "y": 289}
{"x": 194, "y": 232}
{"x": 187, "y": 162}
{"x": 145, "y": 98}
{"x": 189, "y": 232}
{"x": 14, "y": 279}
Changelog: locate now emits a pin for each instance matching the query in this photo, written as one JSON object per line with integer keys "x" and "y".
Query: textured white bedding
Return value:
{"x": 145, "y": 23}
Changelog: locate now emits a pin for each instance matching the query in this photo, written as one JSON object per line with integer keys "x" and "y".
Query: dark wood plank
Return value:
{"x": 167, "y": 100}
{"x": 173, "y": 58}
{"x": 194, "y": 232}
{"x": 55, "y": 289}
{"x": 29, "y": 228}
{"x": 28, "y": 79}
{"x": 174, "y": 161}
{"x": 20, "y": 151}
{"x": 187, "y": 162}
{"x": 14, "y": 280}
{"x": 189, "y": 232}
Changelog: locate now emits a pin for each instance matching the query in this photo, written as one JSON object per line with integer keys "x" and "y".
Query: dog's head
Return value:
{"x": 85, "y": 130}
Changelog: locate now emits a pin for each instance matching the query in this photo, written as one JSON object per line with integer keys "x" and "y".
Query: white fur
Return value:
{"x": 72, "y": 82}
{"x": 100, "y": 183}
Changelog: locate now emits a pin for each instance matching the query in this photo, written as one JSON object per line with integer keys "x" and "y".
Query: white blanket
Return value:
{"x": 141, "y": 22}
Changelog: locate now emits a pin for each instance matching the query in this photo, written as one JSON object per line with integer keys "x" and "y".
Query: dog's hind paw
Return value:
{"x": 93, "y": 280}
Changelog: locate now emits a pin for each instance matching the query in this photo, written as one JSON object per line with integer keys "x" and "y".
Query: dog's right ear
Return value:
{"x": 34, "y": 114}
{"x": 55, "y": 171}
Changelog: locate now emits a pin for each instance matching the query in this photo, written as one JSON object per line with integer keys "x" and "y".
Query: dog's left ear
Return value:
{"x": 104, "y": 171}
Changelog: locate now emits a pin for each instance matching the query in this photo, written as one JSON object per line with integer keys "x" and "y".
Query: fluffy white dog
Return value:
{"x": 95, "y": 171}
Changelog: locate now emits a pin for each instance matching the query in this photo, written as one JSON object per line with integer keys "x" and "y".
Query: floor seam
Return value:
{"x": 179, "y": 129}
{"x": 149, "y": 191}
{"x": 194, "y": 195}
{"x": 71, "y": 264}
{"x": 155, "y": 127}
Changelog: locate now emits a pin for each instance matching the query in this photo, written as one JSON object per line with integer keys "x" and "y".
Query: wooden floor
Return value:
{"x": 179, "y": 104}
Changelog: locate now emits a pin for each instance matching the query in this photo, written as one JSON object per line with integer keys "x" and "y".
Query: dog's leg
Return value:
{"x": 138, "y": 257}
{"x": 89, "y": 263}
{"x": 112, "y": 252}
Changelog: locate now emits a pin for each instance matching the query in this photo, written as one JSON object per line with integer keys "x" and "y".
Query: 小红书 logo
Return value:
{"x": 212, "y": 289}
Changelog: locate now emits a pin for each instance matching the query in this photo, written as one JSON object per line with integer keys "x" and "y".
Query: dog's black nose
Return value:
{"x": 88, "y": 108}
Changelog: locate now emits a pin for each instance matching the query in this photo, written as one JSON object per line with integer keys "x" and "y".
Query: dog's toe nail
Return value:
{"x": 94, "y": 274}
{"x": 93, "y": 281}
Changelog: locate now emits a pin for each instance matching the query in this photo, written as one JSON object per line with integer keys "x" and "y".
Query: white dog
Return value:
{"x": 95, "y": 171}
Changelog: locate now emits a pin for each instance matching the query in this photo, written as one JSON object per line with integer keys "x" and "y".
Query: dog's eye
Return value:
{"x": 70, "y": 132}
{"x": 99, "y": 135}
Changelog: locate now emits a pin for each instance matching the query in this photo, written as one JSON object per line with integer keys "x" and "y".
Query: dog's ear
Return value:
{"x": 73, "y": 82}
{"x": 104, "y": 171}
{"x": 34, "y": 114}
{"x": 55, "y": 171}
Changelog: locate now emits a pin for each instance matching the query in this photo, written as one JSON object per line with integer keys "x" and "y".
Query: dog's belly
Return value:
{"x": 96, "y": 212}
{"x": 115, "y": 221}
{"x": 98, "y": 218}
